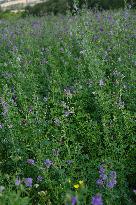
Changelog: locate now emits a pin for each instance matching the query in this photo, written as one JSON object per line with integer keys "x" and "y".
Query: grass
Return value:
{"x": 67, "y": 102}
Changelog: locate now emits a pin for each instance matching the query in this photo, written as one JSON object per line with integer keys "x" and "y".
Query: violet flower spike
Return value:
{"x": 48, "y": 163}
{"x": 97, "y": 200}
{"x": 74, "y": 200}
{"x": 17, "y": 182}
{"x": 28, "y": 182}
{"x": 31, "y": 161}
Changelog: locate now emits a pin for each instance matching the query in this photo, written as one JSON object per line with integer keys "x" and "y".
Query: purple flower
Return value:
{"x": 17, "y": 182}
{"x": 101, "y": 169}
{"x": 69, "y": 162}
{"x": 28, "y": 182}
{"x": 97, "y": 200}
{"x": 109, "y": 18}
{"x": 111, "y": 183}
{"x": 31, "y": 161}
{"x": 48, "y": 163}
{"x": 99, "y": 182}
{"x": 1, "y": 126}
{"x": 113, "y": 174}
{"x": 57, "y": 122}
{"x": 73, "y": 200}
{"x": 39, "y": 178}
{"x": 5, "y": 107}
{"x": 102, "y": 177}
{"x": 101, "y": 29}
{"x": 95, "y": 38}
{"x": 101, "y": 82}
{"x": 68, "y": 113}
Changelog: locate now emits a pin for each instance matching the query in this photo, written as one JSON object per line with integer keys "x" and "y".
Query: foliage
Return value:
{"x": 62, "y": 6}
{"x": 67, "y": 109}
{"x": 10, "y": 15}
{"x": 51, "y": 6}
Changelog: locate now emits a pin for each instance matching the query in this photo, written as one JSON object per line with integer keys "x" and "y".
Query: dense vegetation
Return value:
{"x": 63, "y": 6}
{"x": 67, "y": 109}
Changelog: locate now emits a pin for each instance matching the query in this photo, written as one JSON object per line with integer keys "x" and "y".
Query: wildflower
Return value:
{"x": 101, "y": 82}
{"x": 73, "y": 200}
{"x": 31, "y": 161}
{"x": 39, "y": 178}
{"x": 67, "y": 92}
{"x": 97, "y": 200}
{"x": 68, "y": 113}
{"x": 113, "y": 174}
{"x": 121, "y": 104}
{"x": 48, "y": 163}
{"x": 17, "y": 182}
{"x": 57, "y": 122}
{"x": 76, "y": 186}
{"x": 101, "y": 169}
{"x": 112, "y": 179}
{"x": 101, "y": 29}
{"x": 111, "y": 183}
{"x": 99, "y": 182}
{"x": 1, "y": 126}
{"x": 28, "y": 182}
{"x": 103, "y": 177}
{"x": 5, "y": 107}
{"x": 45, "y": 99}
{"x": 109, "y": 180}
{"x": 69, "y": 162}
{"x": 81, "y": 182}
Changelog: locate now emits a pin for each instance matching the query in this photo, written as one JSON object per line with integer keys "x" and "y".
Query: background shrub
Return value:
{"x": 62, "y": 6}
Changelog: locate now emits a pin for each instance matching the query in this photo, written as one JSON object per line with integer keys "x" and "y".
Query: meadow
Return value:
{"x": 67, "y": 109}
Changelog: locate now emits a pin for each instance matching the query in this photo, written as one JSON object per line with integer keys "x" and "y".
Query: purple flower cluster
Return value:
{"x": 74, "y": 200}
{"x": 101, "y": 82}
{"x": 57, "y": 122}
{"x": 48, "y": 163}
{"x": 97, "y": 200}
{"x": 17, "y": 182}
{"x": 112, "y": 180}
{"x": 5, "y": 107}
{"x": 31, "y": 161}
{"x": 102, "y": 176}
{"x": 28, "y": 182}
{"x": 109, "y": 180}
{"x": 69, "y": 162}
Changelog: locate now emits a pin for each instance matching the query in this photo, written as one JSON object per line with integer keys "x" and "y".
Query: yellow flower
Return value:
{"x": 81, "y": 182}
{"x": 76, "y": 186}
